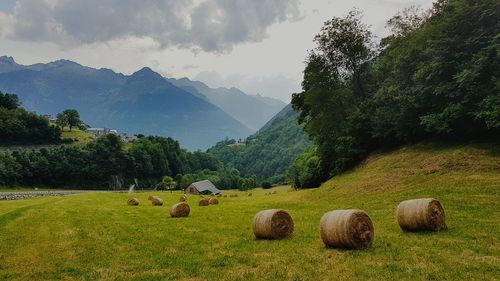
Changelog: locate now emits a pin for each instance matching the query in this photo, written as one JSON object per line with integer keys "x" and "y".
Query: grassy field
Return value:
{"x": 99, "y": 237}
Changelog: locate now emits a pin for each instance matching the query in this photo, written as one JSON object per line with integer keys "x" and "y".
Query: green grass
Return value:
{"x": 82, "y": 137}
{"x": 98, "y": 237}
{"x": 78, "y": 136}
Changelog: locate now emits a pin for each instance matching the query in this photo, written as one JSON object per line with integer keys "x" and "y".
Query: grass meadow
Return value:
{"x": 96, "y": 236}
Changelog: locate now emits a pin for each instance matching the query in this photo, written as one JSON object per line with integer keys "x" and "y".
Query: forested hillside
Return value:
{"x": 18, "y": 126}
{"x": 435, "y": 77}
{"x": 268, "y": 153}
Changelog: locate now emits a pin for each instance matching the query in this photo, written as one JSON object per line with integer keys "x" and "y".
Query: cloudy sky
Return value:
{"x": 256, "y": 45}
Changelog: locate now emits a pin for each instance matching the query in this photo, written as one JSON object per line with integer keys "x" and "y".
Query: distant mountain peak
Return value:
{"x": 146, "y": 72}
{"x": 63, "y": 62}
{"x": 7, "y": 60}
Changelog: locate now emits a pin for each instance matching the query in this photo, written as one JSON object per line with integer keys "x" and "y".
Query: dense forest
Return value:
{"x": 108, "y": 163}
{"x": 267, "y": 154}
{"x": 435, "y": 77}
{"x": 18, "y": 126}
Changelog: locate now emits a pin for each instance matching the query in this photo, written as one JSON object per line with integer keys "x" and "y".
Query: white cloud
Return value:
{"x": 260, "y": 46}
{"x": 5, "y": 24}
{"x": 210, "y": 25}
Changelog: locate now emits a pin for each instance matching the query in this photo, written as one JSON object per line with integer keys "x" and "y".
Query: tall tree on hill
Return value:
{"x": 335, "y": 89}
{"x": 61, "y": 120}
{"x": 9, "y": 101}
{"x": 69, "y": 117}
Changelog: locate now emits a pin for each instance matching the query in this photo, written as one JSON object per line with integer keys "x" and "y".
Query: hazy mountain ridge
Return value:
{"x": 143, "y": 102}
{"x": 252, "y": 110}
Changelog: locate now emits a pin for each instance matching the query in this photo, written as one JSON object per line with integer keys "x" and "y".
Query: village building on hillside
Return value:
{"x": 50, "y": 118}
{"x": 128, "y": 138}
{"x": 202, "y": 187}
{"x": 99, "y": 132}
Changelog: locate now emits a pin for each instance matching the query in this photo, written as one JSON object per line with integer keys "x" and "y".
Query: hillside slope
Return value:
{"x": 91, "y": 236}
{"x": 141, "y": 103}
{"x": 268, "y": 153}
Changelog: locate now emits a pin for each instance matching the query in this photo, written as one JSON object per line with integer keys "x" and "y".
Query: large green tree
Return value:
{"x": 335, "y": 90}
{"x": 69, "y": 117}
{"x": 9, "y": 101}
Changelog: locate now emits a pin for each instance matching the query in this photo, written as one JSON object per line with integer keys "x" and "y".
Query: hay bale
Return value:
{"x": 204, "y": 202}
{"x": 156, "y": 201}
{"x": 219, "y": 195}
{"x": 213, "y": 201}
{"x": 150, "y": 197}
{"x": 183, "y": 198}
{"x": 421, "y": 214}
{"x": 224, "y": 196}
{"x": 180, "y": 210}
{"x": 249, "y": 194}
{"x": 133, "y": 202}
{"x": 272, "y": 224}
{"x": 274, "y": 192}
{"x": 350, "y": 229}
{"x": 233, "y": 195}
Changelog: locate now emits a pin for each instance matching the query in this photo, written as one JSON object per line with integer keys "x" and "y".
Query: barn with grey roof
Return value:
{"x": 202, "y": 187}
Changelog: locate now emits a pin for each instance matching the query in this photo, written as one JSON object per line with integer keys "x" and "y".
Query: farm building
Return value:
{"x": 202, "y": 187}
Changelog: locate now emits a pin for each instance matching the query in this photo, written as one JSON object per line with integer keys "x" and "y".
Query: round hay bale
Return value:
{"x": 133, "y": 202}
{"x": 249, "y": 194}
{"x": 224, "y": 196}
{"x": 275, "y": 192}
{"x": 204, "y": 202}
{"x": 350, "y": 229}
{"x": 272, "y": 224}
{"x": 180, "y": 210}
{"x": 183, "y": 198}
{"x": 219, "y": 195}
{"x": 421, "y": 214}
{"x": 156, "y": 201}
{"x": 213, "y": 201}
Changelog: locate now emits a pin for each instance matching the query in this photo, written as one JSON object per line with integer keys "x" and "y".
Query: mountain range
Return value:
{"x": 144, "y": 102}
{"x": 251, "y": 110}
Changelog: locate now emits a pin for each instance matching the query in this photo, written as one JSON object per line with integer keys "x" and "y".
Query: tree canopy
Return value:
{"x": 18, "y": 126}
{"x": 70, "y": 118}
